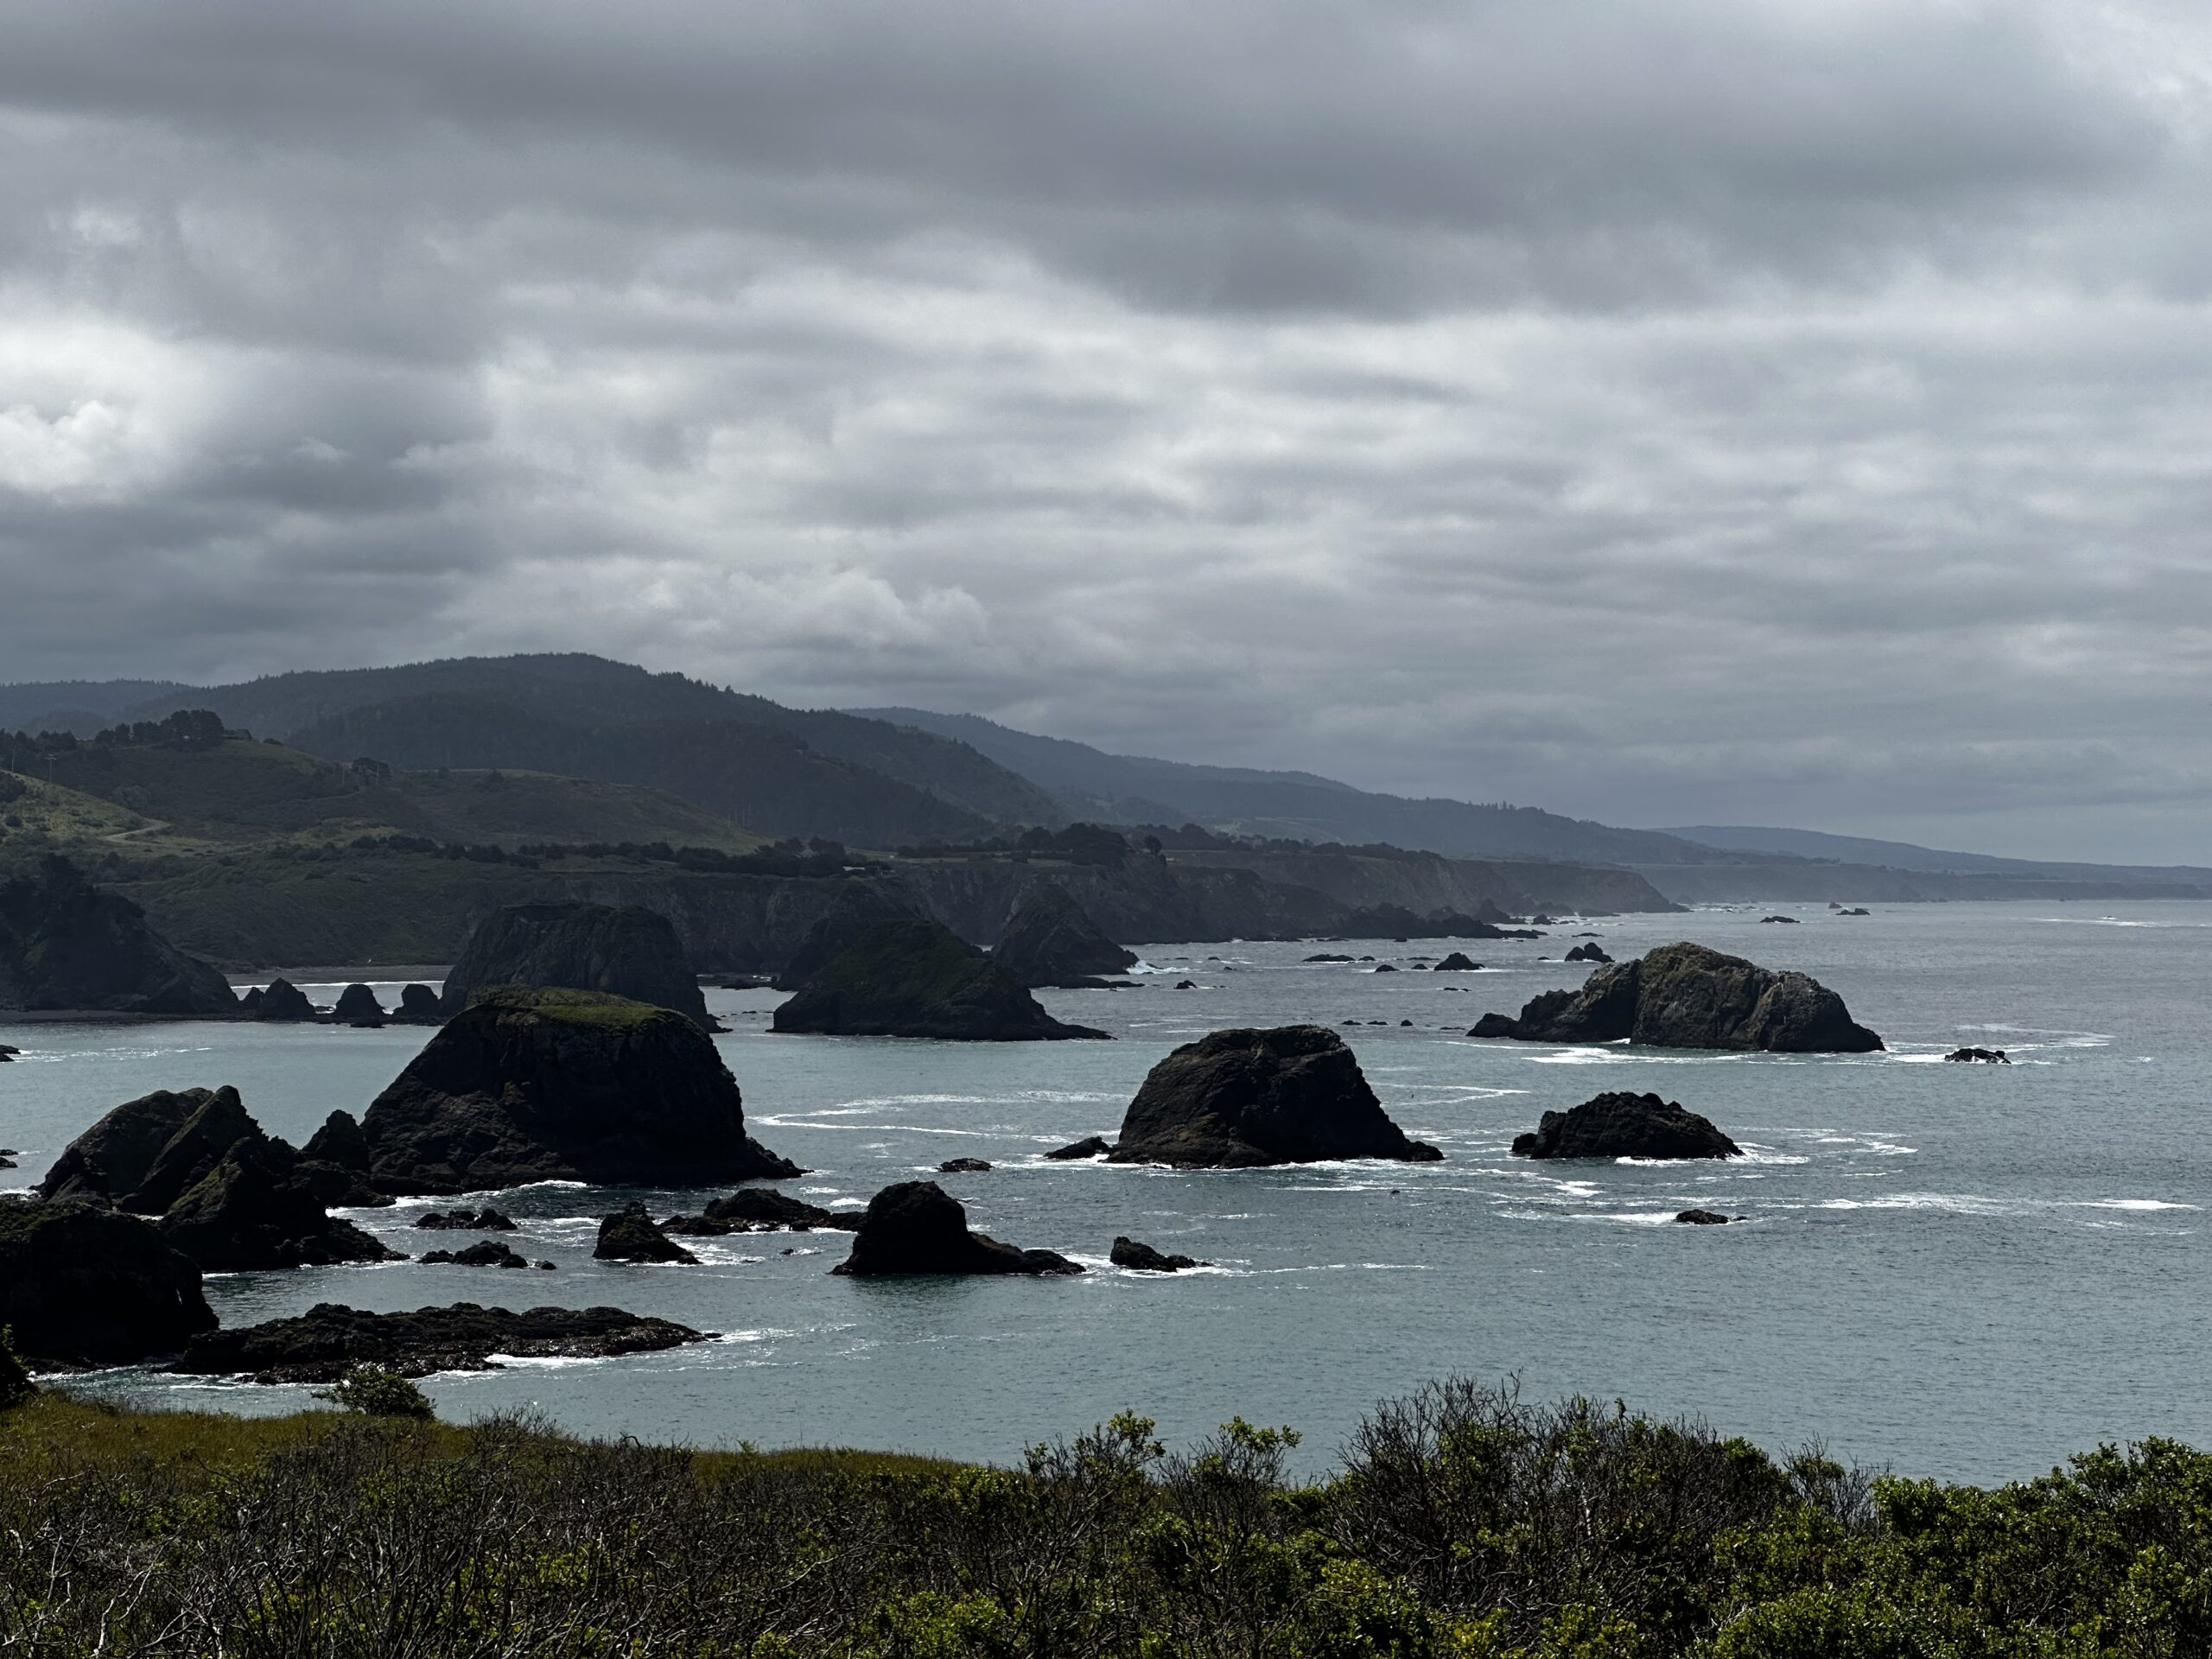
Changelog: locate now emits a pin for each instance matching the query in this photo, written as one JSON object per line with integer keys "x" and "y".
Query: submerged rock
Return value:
{"x": 65, "y": 944}
{"x": 1091, "y": 1146}
{"x": 549, "y": 1084}
{"x": 630, "y": 1235}
{"x": 761, "y": 1210}
{"x": 1241, "y": 1098}
{"x": 329, "y": 1339}
{"x": 1328, "y": 956}
{"x": 916, "y": 978}
{"x": 1982, "y": 1055}
{"x": 485, "y": 1252}
{"x": 1792, "y": 920}
{"x": 1688, "y": 996}
{"x": 283, "y": 1001}
{"x": 632, "y": 952}
{"x": 917, "y": 1228}
{"x": 1621, "y": 1125}
{"x": 84, "y": 1285}
{"x": 1142, "y": 1258}
{"x": 1051, "y": 940}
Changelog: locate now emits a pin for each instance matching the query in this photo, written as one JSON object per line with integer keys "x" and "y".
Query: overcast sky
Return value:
{"x": 1684, "y": 412}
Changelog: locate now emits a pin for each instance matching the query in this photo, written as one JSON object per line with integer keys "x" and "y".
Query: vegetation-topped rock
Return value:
{"x": 280, "y": 1001}
{"x": 760, "y": 1209}
{"x": 1142, "y": 1258}
{"x": 1689, "y": 996}
{"x": 856, "y": 911}
{"x": 632, "y": 952}
{"x": 1051, "y": 940}
{"x": 1243, "y": 1099}
{"x": 251, "y": 1212}
{"x": 1621, "y": 1125}
{"x": 329, "y": 1339}
{"x": 916, "y": 978}
{"x": 629, "y": 1235}
{"x": 64, "y": 944}
{"x": 84, "y": 1285}
{"x": 553, "y": 1084}
{"x": 918, "y": 1228}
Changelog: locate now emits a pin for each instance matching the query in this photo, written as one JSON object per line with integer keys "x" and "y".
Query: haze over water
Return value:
{"x": 1961, "y": 1271}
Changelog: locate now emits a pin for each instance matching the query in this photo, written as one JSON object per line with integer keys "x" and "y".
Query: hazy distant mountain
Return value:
{"x": 1297, "y": 806}
{"x": 1903, "y": 855}
{"x": 80, "y": 705}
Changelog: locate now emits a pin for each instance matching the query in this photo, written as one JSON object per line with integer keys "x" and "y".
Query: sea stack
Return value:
{"x": 632, "y": 952}
{"x": 916, "y": 978}
{"x": 542, "y": 1084}
{"x": 1051, "y": 940}
{"x": 1244, "y": 1098}
{"x": 65, "y": 944}
{"x": 1689, "y": 996}
{"x": 1621, "y": 1125}
{"x": 917, "y": 1228}
{"x": 84, "y": 1285}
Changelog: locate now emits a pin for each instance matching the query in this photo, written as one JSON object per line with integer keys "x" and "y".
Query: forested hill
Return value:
{"x": 780, "y": 771}
{"x": 1293, "y": 805}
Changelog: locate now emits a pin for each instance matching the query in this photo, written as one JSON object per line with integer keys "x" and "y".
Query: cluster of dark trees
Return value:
{"x": 1078, "y": 843}
{"x": 187, "y": 728}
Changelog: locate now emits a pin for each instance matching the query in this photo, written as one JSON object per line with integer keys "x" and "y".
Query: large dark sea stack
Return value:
{"x": 229, "y": 1195}
{"x": 357, "y": 1005}
{"x": 84, "y": 1285}
{"x": 857, "y": 908}
{"x": 65, "y": 944}
{"x": 1051, "y": 940}
{"x": 1240, "y": 1099}
{"x": 1625, "y": 1126}
{"x": 563, "y": 1085}
{"x": 1689, "y": 996}
{"x": 630, "y": 1235}
{"x": 329, "y": 1339}
{"x": 281, "y": 1001}
{"x": 632, "y": 952}
{"x": 917, "y": 1228}
{"x": 916, "y": 978}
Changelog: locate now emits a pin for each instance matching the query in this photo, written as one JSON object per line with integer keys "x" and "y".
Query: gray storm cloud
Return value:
{"x": 1696, "y": 413}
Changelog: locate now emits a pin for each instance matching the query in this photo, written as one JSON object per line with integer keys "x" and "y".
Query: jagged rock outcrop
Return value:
{"x": 1689, "y": 996}
{"x": 1091, "y": 1146}
{"x": 631, "y": 952}
{"x": 282, "y": 1000}
{"x": 761, "y": 1210}
{"x": 329, "y": 1339}
{"x": 1590, "y": 953}
{"x": 1244, "y": 1098}
{"x": 1142, "y": 1258}
{"x": 916, "y": 978}
{"x": 418, "y": 1006}
{"x": 1621, "y": 1125}
{"x": 486, "y": 1220}
{"x": 1980, "y": 1056}
{"x": 853, "y": 914}
{"x": 84, "y": 1285}
{"x": 335, "y": 1164}
{"x": 917, "y": 1228}
{"x": 65, "y": 944}
{"x": 485, "y": 1252}
{"x": 357, "y": 1005}
{"x": 108, "y": 1161}
{"x": 250, "y": 1212}
{"x": 1051, "y": 940}
{"x": 630, "y": 1235}
{"x": 554, "y": 1085}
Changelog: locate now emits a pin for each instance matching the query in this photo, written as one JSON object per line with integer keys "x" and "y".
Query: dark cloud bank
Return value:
{"x": 1683, "y": 413}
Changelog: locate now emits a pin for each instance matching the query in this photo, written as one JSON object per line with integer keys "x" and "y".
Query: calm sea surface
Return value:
{"x": 1963, "y": 1271}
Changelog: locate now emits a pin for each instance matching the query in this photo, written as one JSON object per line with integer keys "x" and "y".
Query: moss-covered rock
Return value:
{"x": 916, "y": 978}
{"x": 1051, "y": 940}
{"x": 64, "y": 944}
{"x": 1244, "y": 1098}
{"x": 84, "y": 1285}
{"x": 630, "y": 952}
{"x": 1690, "y": 996}
{"x": 554, "y": 1085}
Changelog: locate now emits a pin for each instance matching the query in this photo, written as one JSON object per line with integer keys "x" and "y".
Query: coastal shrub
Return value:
{"x": 1462, "y": 1521}
{"x": 374, "y": 1392}
{"x": 15, "y": 1384}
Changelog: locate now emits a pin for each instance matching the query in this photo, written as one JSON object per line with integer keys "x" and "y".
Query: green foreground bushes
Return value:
{"x": 1462, "y": 1522}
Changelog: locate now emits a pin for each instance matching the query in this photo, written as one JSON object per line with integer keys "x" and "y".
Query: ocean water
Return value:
{"x": 1964, "y": 1271}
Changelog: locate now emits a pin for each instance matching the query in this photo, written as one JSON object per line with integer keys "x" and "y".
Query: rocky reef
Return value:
{"x": 631, "y": 1234}
{"x": 1621, "y": 1125}
{"x": 1051, "y": 940}
{"x": 1980, "y": 1056}
{"x": 538, "y": 1084}
{"x": 1244, "y": 1098}
{"x": 761, "y": 1210}
{"x": 329, "y": 1339}
{"x": 916, "y": 978}
{"x": 81, "y": 1284}
{"x": 65, "y": 944}
{"x": 631, "y": 952}
{"x": 1142, "y": 1258}
{"x": 917, "y": 1228}
{"x": 1689, "y": 997}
